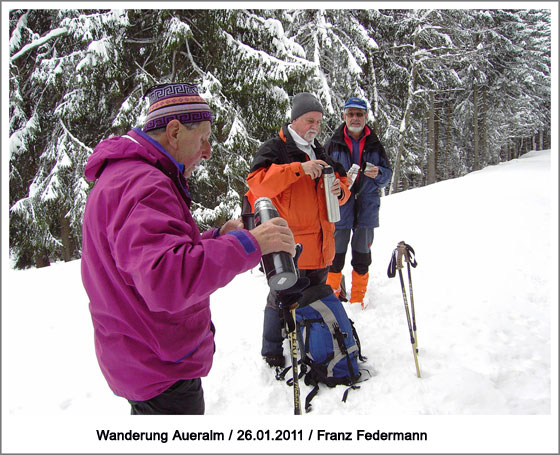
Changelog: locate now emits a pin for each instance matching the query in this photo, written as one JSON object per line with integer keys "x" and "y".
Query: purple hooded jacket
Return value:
{"x": 148, "y": 271}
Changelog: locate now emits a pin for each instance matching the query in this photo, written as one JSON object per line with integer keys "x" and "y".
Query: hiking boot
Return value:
{"x": 275, "y": 360}
{"x": 359, "y": 287}
{"x": 333, "y": 280}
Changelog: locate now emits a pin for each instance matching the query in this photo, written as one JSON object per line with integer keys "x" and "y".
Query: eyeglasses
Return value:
{"x": 355, "y": 114}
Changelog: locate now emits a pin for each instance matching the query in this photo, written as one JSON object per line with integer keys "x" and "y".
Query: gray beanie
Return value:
{"x": 303, "y": 103}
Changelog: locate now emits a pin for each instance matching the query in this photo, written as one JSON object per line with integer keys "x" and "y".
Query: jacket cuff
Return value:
{"x": 248, "y": 242}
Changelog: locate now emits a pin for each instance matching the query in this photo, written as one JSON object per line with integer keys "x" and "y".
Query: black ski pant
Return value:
{"x": 184, "y": 397}
{"x": 362, "y": 238}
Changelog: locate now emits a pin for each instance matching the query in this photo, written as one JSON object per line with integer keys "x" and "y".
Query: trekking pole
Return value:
{"x": 288, "y": 303}
{"x": 396, "y": 263}
{"x": 410, "y": 259}
{"x": 294, "y": 355}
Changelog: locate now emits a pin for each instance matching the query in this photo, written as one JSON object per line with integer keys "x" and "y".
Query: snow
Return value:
{"x": 237, "y": 129}
{"x": 97, "y": 52}
{"x": 277, "y": 68}
{"x": 18, "y": 137}
{"x": 16, "y": 142}
{"x": 485, "y": 293}
{"x": 176, "y": 32}
{"x": 37, "y": 42}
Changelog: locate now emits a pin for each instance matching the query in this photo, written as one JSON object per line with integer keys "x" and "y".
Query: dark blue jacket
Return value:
{"x": 362, "y": 209}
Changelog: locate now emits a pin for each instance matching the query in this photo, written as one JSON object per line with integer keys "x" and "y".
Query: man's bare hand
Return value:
{"x": 275, "y": 235}
{"x": 313, "y": 168}
{"x": 335, "y": 188}
{"x": 373, "y": 172}
{"x": 231, "y": 225}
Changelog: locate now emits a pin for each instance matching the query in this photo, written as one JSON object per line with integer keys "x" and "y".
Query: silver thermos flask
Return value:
{"x": 333, "y": 209}
{"x": 279, "y": 267}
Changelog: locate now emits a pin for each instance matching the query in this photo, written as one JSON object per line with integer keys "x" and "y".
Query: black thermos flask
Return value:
{"x": 279, "y": 267}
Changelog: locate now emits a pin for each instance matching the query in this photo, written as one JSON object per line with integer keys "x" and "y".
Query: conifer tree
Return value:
{"x": 79, "y": 76}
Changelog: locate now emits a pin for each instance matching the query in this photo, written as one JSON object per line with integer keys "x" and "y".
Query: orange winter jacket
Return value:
{"x": 276, "y": 173}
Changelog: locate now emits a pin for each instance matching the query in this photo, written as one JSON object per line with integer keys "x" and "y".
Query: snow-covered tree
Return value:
{"x": 62, "y": 77}
{"x": 449, "y": 90}
{"x": 79, "y": 76}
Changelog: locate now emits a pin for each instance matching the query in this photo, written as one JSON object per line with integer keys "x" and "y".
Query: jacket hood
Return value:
{"x": 118, "y": 148}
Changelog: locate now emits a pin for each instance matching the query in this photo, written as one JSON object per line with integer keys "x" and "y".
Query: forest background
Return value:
{"x": 450, "y": 91}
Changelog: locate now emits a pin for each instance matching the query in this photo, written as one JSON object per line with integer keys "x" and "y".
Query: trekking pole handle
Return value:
{"x": 401, "y": 251}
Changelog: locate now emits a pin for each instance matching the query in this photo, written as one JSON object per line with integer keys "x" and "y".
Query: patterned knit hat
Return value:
{"x": 179, "y": 101}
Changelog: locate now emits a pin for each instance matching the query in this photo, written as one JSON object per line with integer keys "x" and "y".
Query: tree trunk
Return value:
{"x": 447, "y": 139}
{"x": 403, "y": 128}
{"x": 65, "y": 234}
{"x": 436, "y": 141}
{"x": 484, "y": 155}
{"x": 476, "y": 158}
{"x": 534, "y": 145}
{"x": 42, "y": 258}
{"x": 431, "y": 170}
{"x": 372, "y": 91}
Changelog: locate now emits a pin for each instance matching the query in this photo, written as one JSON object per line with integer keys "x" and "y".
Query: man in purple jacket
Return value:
{"x": 147, "y": 269}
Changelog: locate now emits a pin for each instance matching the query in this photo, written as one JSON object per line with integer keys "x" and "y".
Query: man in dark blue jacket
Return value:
{"x": 356, "y": 143}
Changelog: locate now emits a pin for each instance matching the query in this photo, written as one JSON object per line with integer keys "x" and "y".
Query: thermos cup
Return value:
{"x": 279, "y": 267}
{"x": 333, "y": 209}
{"x": 351, "y": 174}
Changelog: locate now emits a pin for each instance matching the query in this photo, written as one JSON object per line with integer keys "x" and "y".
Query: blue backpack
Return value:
{"x": 329, "y": 344}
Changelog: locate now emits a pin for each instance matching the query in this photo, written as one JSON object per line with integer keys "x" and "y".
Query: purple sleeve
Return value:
{"x": 211, "y": 234}
{"x": 160, "y": 252}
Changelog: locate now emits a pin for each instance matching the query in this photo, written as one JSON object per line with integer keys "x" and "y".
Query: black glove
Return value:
{"x": 288, "y": 297}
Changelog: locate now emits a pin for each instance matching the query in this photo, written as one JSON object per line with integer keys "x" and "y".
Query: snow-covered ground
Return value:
{"x": 486, "y": 298}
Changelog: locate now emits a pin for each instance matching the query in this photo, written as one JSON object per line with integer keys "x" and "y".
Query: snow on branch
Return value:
{"x": 261, "y": 56}
{"x": 74, "y": 138}
{"x": 38, "y": 42}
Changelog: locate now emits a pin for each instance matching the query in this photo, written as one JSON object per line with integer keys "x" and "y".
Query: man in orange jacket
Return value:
{"x": 287, "y": 169}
